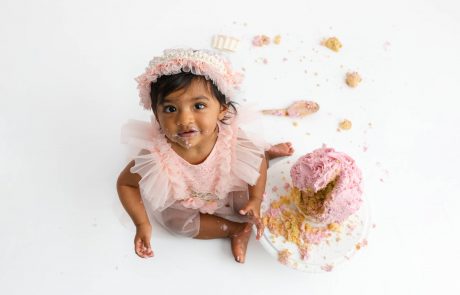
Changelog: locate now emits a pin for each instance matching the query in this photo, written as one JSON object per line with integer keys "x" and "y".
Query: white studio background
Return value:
{"x": 67, "y": 85}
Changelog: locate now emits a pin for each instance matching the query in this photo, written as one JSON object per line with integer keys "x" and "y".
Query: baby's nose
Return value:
{"x": 185, "y": 118}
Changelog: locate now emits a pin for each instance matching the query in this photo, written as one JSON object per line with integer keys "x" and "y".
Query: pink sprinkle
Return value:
{"x": 304, "y": 255}
{"x": 351, "y": 226}
{"x": 327, "y": 267}
{"x": 272, "y": 212}
{"x": 386, "y": 45}
{"x": 260, "y": 40}
{"x": 287, "y": 186}
{"x": 314, "y": 237}
{"x": 274, "y": 189}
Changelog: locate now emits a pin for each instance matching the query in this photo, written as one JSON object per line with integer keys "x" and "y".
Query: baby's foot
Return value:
{"x": 240, "y": 241}
{"x": 280, "y": 150}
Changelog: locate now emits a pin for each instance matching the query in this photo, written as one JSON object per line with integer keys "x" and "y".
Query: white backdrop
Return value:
{"x": 66, "y": 87}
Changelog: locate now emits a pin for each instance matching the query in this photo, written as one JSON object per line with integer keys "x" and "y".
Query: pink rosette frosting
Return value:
{"x": 317, "y": 169}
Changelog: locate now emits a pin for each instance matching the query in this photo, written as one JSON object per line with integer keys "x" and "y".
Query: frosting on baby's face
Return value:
{"x": 189, "y": 116}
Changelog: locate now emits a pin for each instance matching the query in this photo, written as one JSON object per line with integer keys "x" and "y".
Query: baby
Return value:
{"x": 198, "y": 174}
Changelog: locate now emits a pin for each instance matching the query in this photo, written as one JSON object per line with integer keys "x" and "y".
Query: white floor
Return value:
{"x": 66, "y": 87}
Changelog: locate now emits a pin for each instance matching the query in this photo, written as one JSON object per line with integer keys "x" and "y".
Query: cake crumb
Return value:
{"x": 277, "y": 39}
{"x": 295, "y": 124}
{"x": 260, "y": 40}
{"x": 283, "y": 256}
{"x": 333, "y": 227}
{"x": 332, "y": 43}
{"x": 345, "y": 124}
{"x": 353, "y": 79}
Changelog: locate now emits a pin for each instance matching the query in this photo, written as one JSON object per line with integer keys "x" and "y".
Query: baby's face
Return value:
{"x": 189, "y": 116}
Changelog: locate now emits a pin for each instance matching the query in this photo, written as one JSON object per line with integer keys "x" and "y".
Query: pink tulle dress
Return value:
{"x": 175, "y": 192}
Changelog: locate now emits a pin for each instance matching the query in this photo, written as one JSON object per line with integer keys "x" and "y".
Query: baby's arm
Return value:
{"x": 256, "y": 193}
{"x": 130, "y": 197}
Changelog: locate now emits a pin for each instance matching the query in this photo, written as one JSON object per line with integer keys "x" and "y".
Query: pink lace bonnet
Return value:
{"x": 203, "y": 62}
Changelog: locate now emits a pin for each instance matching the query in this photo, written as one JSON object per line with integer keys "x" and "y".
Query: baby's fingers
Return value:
{"x": 143, "y": 249}
{"x": 138, "y": 247}
{"x": 260, "y": 228}
{"x": 148, "y": 249}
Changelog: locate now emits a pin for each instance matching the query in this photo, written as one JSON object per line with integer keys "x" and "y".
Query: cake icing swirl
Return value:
{"x": 329, "y": 184}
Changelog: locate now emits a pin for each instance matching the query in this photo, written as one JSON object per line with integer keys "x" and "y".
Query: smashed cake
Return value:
{"x": 329, "y": 186}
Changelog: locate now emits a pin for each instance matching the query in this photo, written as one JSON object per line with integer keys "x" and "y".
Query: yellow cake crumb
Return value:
{"x": 283, "y": 256}
{"x": 277, "y": 39}
{"x": 353, "y": 79}
{"x": 345, "y": 124}
{"x": 285, "y": 220}
{"x": 332, "y": 43}
{"x": 333, "y": 226}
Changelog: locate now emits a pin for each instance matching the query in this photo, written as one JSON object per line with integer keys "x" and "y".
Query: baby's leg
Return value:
{"x": 279, "y": 150}
{"x": 214, "y": 227}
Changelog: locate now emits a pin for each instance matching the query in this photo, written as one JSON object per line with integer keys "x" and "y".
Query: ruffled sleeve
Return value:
{"x": 154, "y": 185}
{"x": 249, "y": 153}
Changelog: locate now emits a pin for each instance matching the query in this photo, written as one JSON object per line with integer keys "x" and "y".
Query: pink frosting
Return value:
{"x": 316, "y": 169}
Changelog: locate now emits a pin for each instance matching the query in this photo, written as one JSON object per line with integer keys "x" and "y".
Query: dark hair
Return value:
{"x": 166, "y": 85}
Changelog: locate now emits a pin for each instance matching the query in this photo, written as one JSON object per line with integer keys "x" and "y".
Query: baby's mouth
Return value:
{"x": 188, "y": 133}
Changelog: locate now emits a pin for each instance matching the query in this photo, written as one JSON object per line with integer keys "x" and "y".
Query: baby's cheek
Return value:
{"x": 206, "y": 132}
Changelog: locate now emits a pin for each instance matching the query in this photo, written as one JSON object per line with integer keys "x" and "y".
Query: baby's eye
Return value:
{"x": 200, "y": 106}
{"x": 169, "y": 109}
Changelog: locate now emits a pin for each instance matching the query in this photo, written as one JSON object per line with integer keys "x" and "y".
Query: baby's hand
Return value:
{"x": 142, "y": 241}
{"x": 252, "y": 209}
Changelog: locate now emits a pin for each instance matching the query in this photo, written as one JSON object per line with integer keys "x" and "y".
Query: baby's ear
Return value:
{"x": 223, "y": 112}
